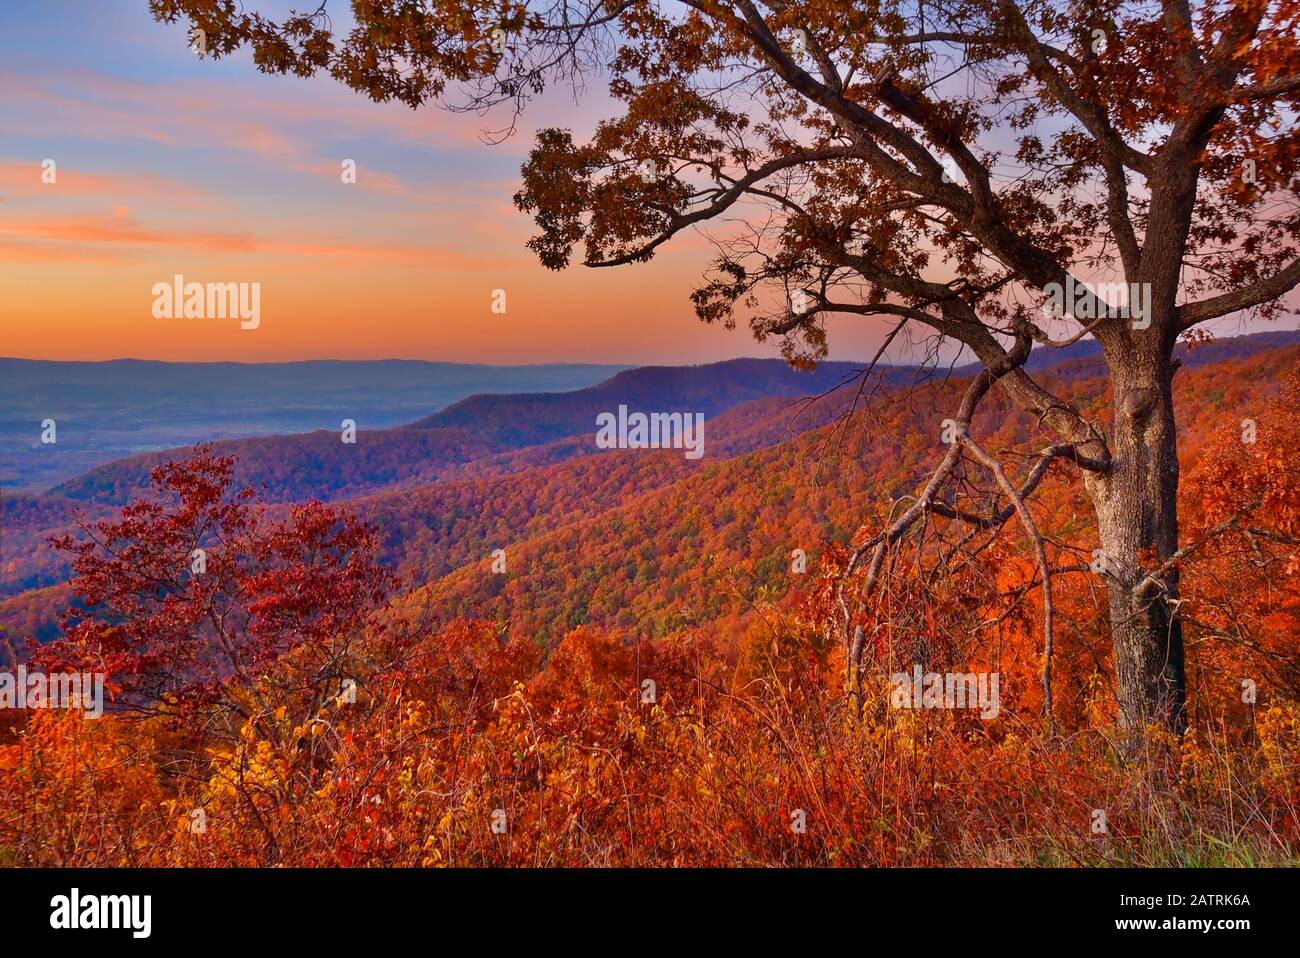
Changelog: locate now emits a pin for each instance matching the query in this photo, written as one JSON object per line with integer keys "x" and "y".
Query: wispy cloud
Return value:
{"x": 23, "y": 180}
{"x": 119, "y": 235}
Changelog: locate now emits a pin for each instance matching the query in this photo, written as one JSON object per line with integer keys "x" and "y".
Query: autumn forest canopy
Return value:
{"x": 1030, "y": 597}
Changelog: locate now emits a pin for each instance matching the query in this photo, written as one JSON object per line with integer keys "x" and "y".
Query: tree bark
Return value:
{"x": 1136, "y": 505}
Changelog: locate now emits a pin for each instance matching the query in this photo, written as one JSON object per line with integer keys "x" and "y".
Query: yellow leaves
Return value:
{"x": 1278, "y": 728}
{"x": 1191, "y": 759}
{"x": 417, "y": 717}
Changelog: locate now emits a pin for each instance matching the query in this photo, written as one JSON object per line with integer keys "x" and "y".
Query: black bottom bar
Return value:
{"x": 621, "y": 908}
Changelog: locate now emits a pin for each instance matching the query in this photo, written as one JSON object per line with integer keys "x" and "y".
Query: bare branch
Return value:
{"x": 1040, "y": 553}
{"x": 1264, "y": 291}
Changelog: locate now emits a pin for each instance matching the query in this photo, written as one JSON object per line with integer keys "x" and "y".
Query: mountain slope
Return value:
{"x": 444, "y": 500}
{"x": 532, "y": 419}
{"x": 303, "y": 466}
{"x": 698, "y": 550}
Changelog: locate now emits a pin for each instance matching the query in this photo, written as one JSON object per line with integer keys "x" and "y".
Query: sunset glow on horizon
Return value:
{"x": 167, "y": 164}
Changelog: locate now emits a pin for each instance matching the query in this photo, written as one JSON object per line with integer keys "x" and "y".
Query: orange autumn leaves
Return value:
{"x": 580, "y": 771}
{"x": 467, "y": 743}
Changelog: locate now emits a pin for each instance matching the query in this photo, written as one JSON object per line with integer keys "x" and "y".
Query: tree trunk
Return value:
{"x": 1137, "y": 516}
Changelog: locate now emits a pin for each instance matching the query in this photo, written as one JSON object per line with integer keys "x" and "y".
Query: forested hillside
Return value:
{"x": 654, "y": 676}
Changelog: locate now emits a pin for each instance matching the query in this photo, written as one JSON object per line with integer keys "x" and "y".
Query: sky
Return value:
{"x": 166, "y": 164}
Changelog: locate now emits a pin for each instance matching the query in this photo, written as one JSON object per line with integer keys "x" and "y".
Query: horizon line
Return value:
{"x": 1087, "y": 341}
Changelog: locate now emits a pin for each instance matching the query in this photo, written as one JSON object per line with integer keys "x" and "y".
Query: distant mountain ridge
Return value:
{"x": 496, "y": 433}
{"x": 537, "y": 418}
{"x": 162, "y": 375}
{"x": 109, "y": 410}
{"x": 443, "y": 497}
{"x": 285, "y": 468}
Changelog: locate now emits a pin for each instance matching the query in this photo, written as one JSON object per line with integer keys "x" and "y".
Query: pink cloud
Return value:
{"x": 41, "y": 239}
{"x": 23, "y": 180}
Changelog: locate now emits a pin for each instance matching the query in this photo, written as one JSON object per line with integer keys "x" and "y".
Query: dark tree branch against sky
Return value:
{"x": 966, "y": 167}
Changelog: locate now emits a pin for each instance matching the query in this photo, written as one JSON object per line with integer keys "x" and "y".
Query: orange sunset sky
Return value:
{"x": 170, "y": 164}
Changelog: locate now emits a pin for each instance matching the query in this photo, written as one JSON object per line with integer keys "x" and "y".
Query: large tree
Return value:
{"x": 960, "y": 166}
